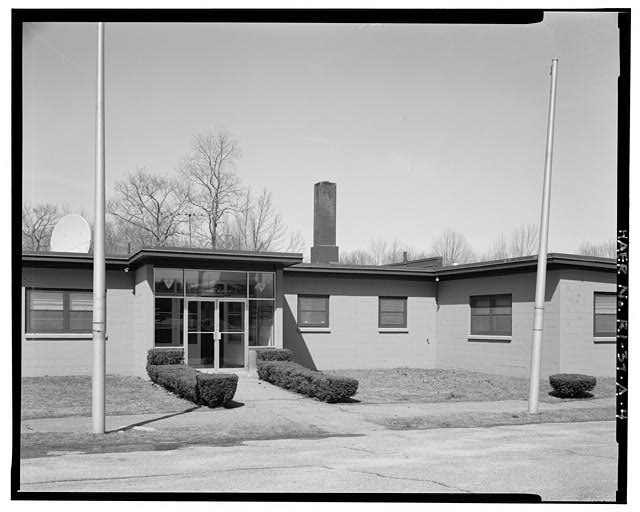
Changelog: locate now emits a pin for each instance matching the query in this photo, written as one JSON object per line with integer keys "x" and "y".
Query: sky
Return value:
{"x": 422, "y": 127}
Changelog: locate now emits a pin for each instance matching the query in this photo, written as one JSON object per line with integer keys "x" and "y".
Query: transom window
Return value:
{"x": 392, "y": 312}
{"x": 59, "y": 311}
{"x": 604, "y": 314}
{"x": 491, "y": 315}
{"x": 174, "y": 286}
{"x": 313, "y": 310}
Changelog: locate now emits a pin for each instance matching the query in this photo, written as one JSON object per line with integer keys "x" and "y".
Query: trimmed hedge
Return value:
{"x": 177, "y": 378}
{"x": 274, "y": 354}
{"x": 165, "y": 356}
{"x": 295, "y": 377}
{"x": 215, "y": 389}
{"x": 572, "y": 385}
{"x": 210, "y": 389}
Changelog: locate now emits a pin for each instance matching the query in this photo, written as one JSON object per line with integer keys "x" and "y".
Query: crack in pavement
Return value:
{"x": 358, "y": 449}
{"x": 375, "y": 473}
{"x": 572, "y": 452}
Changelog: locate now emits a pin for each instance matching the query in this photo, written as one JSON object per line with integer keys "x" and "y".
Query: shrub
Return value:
{"x": 215, "y": 389}
{"x": 200, "y": 388}
{"x": 295, "y": 377}
{"x": 572, "y": 385}
{"x": 165, "y": 356}
{"x": 177, "y": 378}
{"x": 274, "y": 354}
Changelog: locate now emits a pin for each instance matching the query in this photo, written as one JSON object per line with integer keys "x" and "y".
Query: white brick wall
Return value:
{"x": 62, "y": 356}
{"x": 579, "y": 353}
{"x": 456, "y": 350}
{"x": 354, "y": 340}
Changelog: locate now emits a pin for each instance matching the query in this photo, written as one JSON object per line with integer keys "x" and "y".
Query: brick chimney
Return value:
{"x": 324, "y": 248}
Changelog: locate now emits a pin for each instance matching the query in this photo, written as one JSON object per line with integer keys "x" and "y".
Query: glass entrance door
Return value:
{"x": 216, "y": 333}
{"x": 201, "y": 333}
{"x": 232, "y": 334}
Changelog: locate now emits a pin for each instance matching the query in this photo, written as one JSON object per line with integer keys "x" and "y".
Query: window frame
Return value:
{"x": 610, "y": 335}
{"x": 492, "y": 299}
{"x": 66, "y": 311}
{"x": 405, "y": 312}
{"x": 315, "y": 325}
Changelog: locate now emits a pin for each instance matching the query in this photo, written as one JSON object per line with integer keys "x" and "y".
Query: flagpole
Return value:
{"x": 99, "y": 287}
{"x": 538, "y": 312}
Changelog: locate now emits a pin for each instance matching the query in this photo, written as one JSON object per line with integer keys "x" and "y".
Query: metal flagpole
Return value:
{"x": 99, "y": 287}
{"x": 538, "y": 312}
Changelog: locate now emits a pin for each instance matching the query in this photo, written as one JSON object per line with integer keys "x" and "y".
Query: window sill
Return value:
{"x": 314, "y": 329}
{"x": 60, "y": 336}
{"x": 489, "y": 337}
{"x": 393, "y": 329}
{"x": 604, "y": 339}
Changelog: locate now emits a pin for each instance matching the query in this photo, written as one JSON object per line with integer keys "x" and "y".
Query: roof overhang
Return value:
{"x": 501, "y": 267}
{"x": 161, "y": 256}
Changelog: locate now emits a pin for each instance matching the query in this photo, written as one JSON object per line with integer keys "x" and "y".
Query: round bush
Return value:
{"x": 572, "y": 385}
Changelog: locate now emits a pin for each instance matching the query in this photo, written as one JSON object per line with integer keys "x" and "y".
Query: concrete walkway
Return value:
{"x": 260, "y": 405}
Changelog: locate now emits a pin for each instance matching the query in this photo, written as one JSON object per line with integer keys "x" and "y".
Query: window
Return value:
{"x": 260, "y": 323}
{"x": 491, "y": 315}
{"x": 211, "y": 283}
{"x": 392, "y": 312}
{"x": 59, "y": 311}
{"x": 168, "y": 281}
{"x": 168, "y": 324}
{"x": 313, "y": 310}
{"x": 604, "y": 315}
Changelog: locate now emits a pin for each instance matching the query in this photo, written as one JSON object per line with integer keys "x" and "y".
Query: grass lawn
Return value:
{"x": 439, "y": 385}
{"x": 51, "y": 397}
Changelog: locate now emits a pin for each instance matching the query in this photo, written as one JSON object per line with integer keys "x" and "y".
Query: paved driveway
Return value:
{"x": 286, "y": 443}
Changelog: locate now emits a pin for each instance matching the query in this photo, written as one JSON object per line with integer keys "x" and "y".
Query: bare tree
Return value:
{"x": 296, "y": 242}
{"x": 148, "y": 209}
{"x": 381, "y": 252}
{"x": 523, "y": 241}
{"x": 214, "y": 185}
{"x": 606, "y": 249}
{"x": 356, "y": 257}
{"x": 256, "y": 225}
{"x": 452, "y": 247}
{"x": 38, "y": 222}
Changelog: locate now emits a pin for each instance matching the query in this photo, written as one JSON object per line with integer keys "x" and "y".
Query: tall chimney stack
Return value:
{"x": 324, "y": 248}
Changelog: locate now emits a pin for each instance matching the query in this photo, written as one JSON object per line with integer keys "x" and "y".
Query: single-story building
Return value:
{"x": 218, "y": 305}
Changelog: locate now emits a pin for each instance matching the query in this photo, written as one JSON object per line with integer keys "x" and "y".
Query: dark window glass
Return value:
{"x": 231, "y": 316}
{"x": 604, "y": 314}
{"x": 491, "y": 315}
{"x": 201, "y": 315}
{"x": 80, "y": 311}
{"x": 211, "y": 283}
{"x": 313, "y": 311}
{"x": 392, "y": 312}
{"x": 261, "y": 285}
{"x": 168, "y": 322}
{"x": 260, "y": 323}
{"x": 58, "y": 311}
{"x": 168, "y": 281}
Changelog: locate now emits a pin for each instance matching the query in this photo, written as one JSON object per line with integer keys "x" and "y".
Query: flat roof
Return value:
{"x": 163, "y": 255}
{"x": 522, "y": 264}
{"x": 292, "y": 262}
